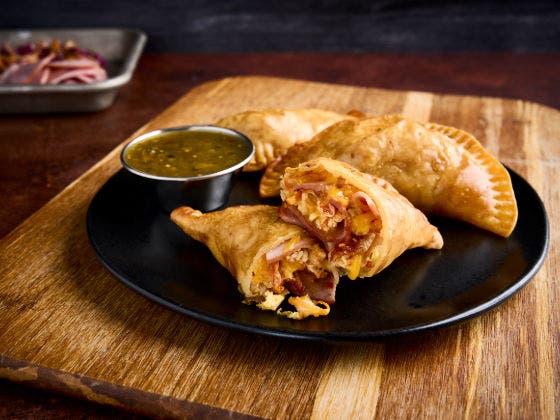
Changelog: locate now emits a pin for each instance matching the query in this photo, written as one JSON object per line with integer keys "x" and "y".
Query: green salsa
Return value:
{"x": 181, "y": 154}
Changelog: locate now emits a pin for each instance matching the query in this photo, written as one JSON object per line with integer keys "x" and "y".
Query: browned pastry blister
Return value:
{"x": 441, "y": 170}
{"x": 364, "y": 223}
{"x": 274, "y": 131}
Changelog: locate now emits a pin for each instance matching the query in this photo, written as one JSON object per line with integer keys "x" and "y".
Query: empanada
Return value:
{"x": 273, "y": 131}
{"x": 362, "y": 220}
{"x": 441, "y": 170}
{"x": 269, "y": 258}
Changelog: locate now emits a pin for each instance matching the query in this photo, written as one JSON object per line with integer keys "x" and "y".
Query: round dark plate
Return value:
{"x": 420, "y": 290}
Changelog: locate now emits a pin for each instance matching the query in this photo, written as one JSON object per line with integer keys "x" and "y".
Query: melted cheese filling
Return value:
{"x": 316, "y": 205}
{"x": 274, "y": 280}
{"x": 305, "y": 307}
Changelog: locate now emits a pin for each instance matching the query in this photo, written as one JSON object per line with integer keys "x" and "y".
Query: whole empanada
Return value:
{"x": 362, "y": 220}
{"x": 269, "y": 258}
{"x": 273, "y": 131}
{"x": 441, "y": 170}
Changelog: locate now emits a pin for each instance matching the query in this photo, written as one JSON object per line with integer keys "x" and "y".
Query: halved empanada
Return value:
{"x": 269, "y": 258}
{"x": 273, "y": 131}
{"x": 441, "y": 170}
{"x": 362, "y": 220}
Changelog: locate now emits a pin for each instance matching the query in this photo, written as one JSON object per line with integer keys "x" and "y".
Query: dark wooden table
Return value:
{"x": 41, "y": 154}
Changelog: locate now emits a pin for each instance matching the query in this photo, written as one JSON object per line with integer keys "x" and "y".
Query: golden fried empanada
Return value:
{"x": 362, "y": 220}
{"x": 273, "y": 131}
{"x": 441, "y": 170}
{"x": 269, "y": 258}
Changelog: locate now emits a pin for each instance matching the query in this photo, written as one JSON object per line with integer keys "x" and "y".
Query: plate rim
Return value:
{"x": 337, "y": 337}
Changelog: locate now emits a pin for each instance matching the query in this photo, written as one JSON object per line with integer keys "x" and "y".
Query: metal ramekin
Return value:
{"x": 205, "y": 192}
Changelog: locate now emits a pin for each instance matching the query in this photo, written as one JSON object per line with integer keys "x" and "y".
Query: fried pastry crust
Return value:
{"x": 364, "y": 223}
{"x": 269, "y": 258}
{"x": 441, "y": 170}
{"x": 274, "y": 131}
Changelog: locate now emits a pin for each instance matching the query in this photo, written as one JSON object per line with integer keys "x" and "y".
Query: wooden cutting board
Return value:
{"x": 67, "y": 324}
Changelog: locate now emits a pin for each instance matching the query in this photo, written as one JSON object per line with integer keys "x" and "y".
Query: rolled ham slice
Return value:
{"x": 51, "y": 71}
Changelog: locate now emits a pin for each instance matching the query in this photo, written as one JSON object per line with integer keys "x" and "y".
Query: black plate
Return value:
{"x": 422, "y": 289}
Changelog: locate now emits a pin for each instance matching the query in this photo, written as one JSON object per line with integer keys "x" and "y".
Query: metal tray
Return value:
{"x": 121, "y": 48}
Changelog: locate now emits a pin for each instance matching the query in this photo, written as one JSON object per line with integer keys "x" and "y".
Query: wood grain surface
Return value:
{"x": 69, "y": 325}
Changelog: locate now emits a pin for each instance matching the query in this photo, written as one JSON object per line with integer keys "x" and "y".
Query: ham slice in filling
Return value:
{"x": 299, "y": 267}
{"x": 344, "y": 219}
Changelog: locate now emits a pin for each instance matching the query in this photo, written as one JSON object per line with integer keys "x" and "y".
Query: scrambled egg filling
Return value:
{"x": 286, "y": 273}
{"x": 338, "y": 209}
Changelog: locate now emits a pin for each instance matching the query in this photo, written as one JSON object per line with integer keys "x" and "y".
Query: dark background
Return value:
{"x": 262, "y": 25}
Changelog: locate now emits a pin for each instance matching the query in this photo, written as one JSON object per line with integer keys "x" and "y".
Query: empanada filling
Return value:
{"x": 297, "y": 267}
{"x": 344, "y": 218}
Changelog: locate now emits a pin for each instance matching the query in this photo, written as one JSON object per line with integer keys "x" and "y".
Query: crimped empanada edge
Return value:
{"x": 505, "y": 207}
